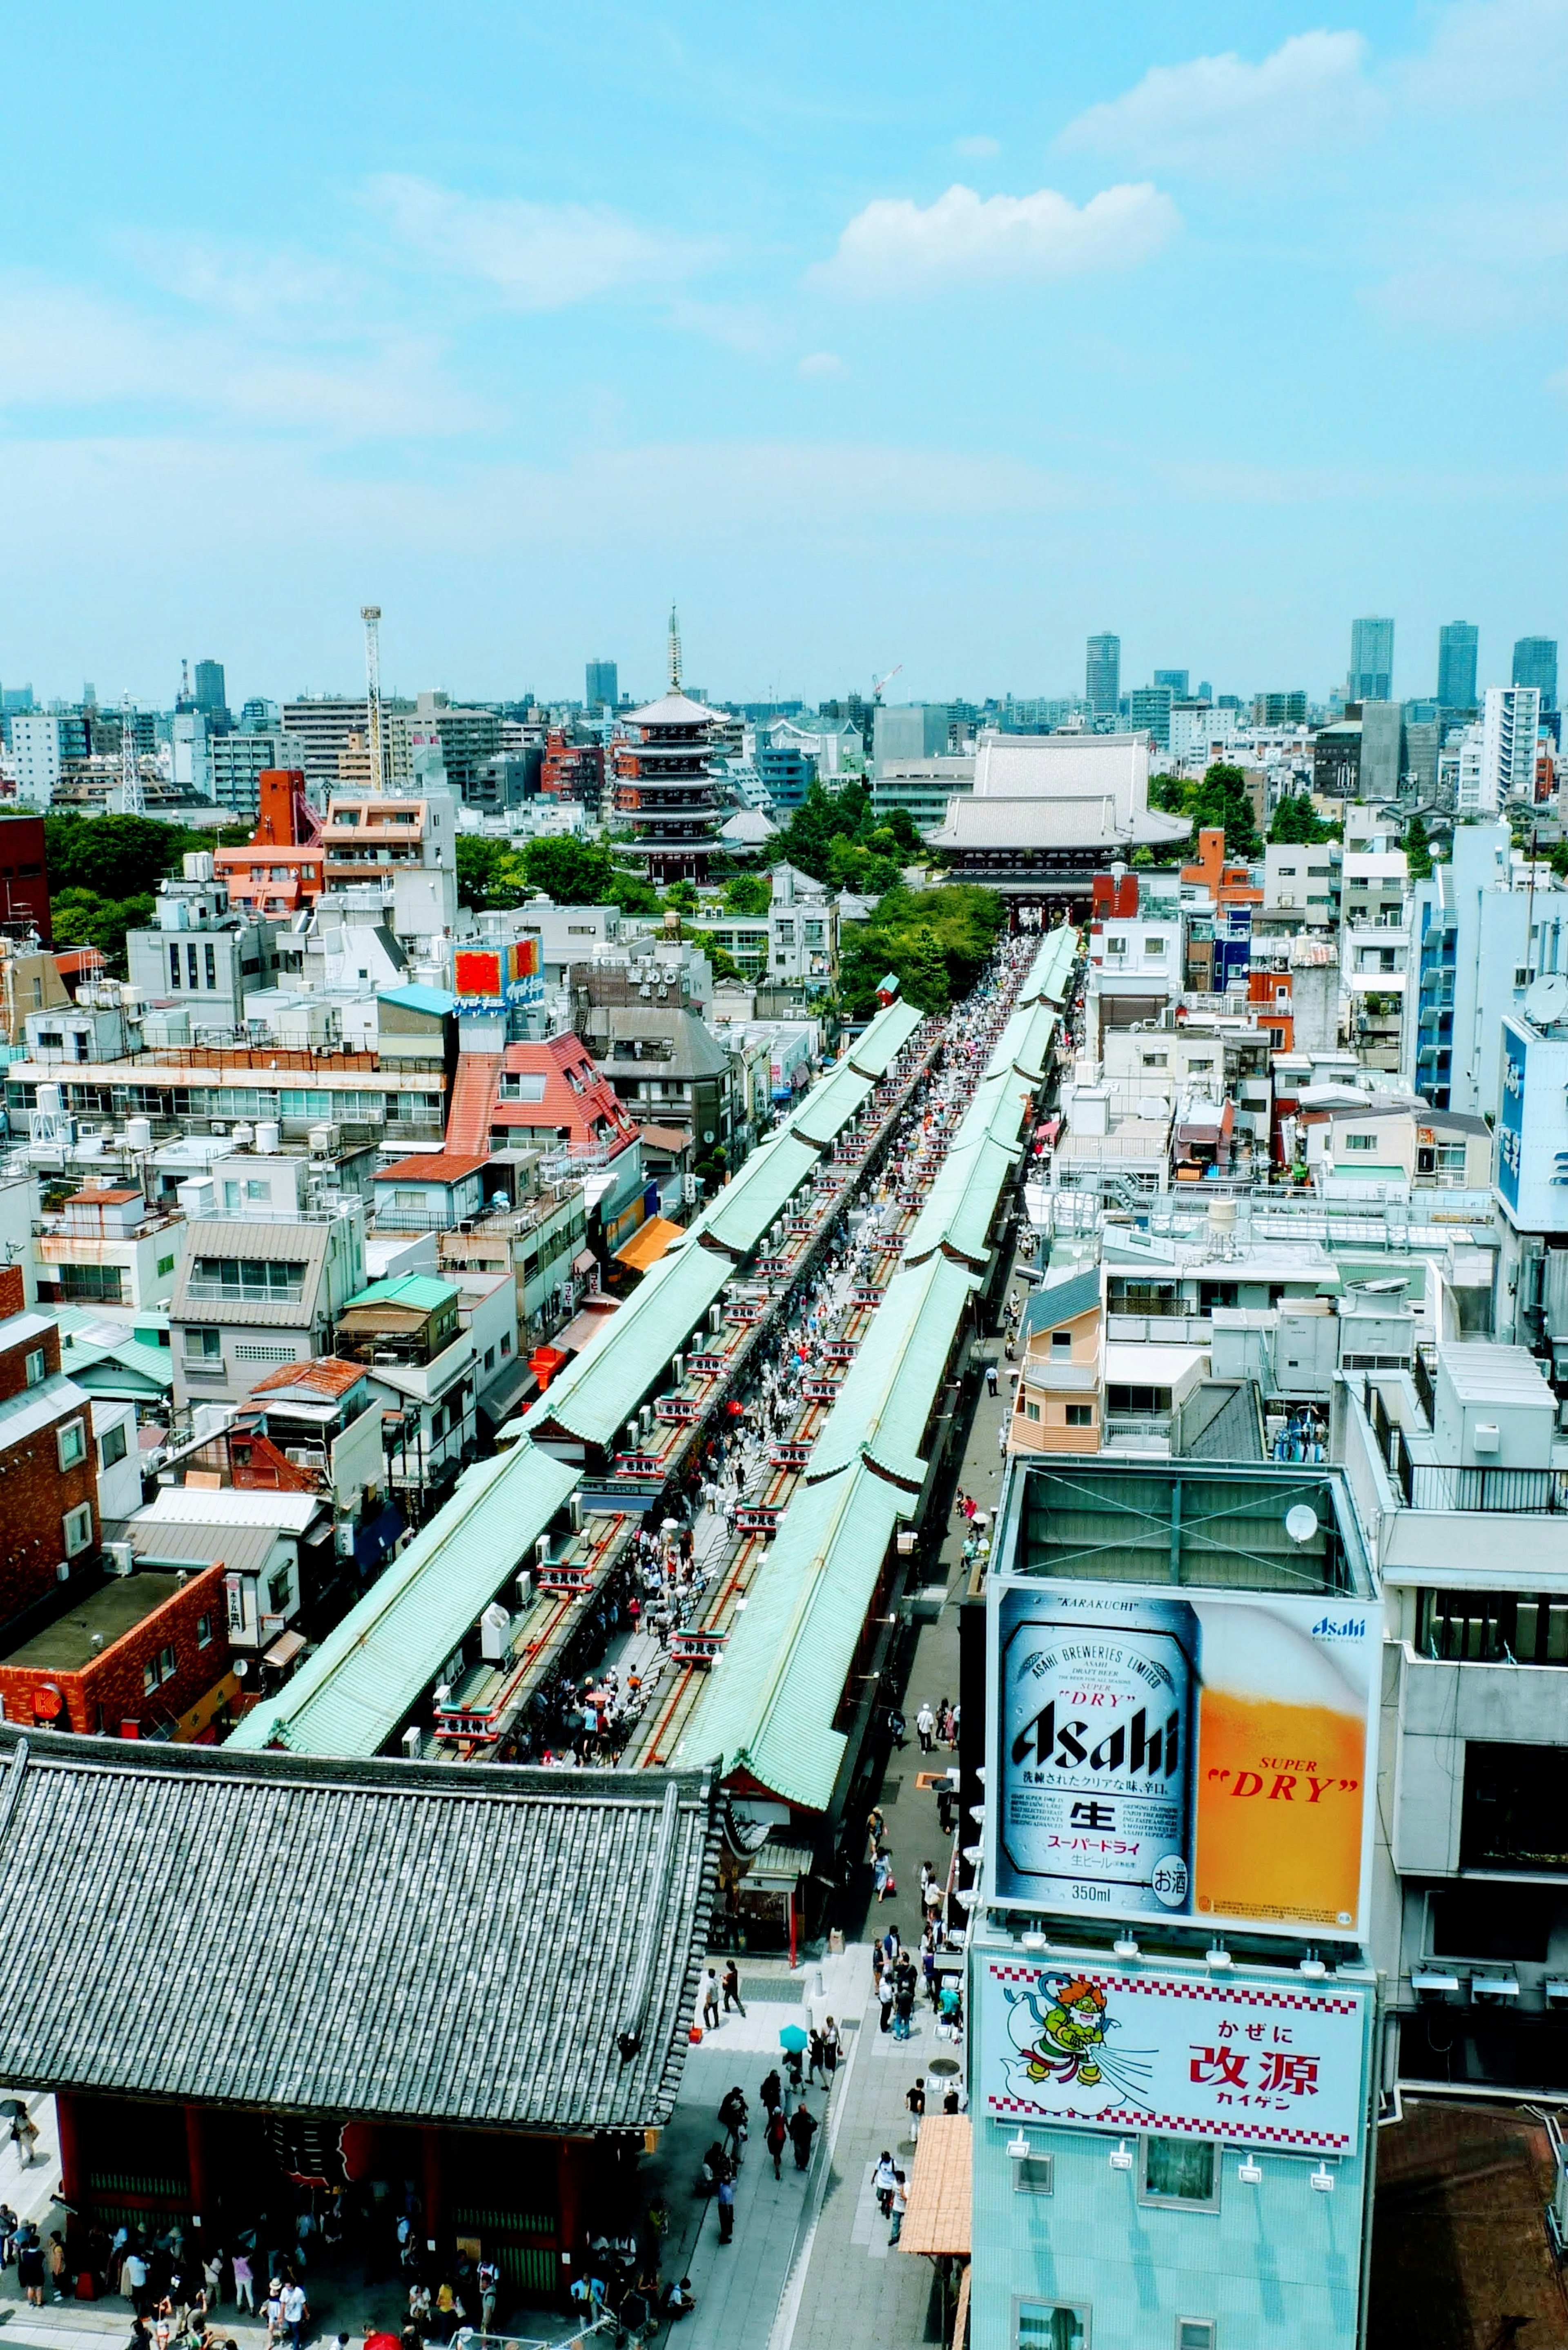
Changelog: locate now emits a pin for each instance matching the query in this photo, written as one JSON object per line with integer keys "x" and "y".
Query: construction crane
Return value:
{"x": 374, "y": 732}
{"x": 878, "y": 682}
{"x": 132, "y": 801}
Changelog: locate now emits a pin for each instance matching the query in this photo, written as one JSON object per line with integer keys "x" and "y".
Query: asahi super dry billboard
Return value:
{"x": 1205, "y": 1755}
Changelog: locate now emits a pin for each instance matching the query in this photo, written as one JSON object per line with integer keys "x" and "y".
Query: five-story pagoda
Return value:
{"x": 664, "y": 787}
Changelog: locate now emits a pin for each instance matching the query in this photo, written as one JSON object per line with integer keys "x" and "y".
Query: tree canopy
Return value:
{"x": 937, "y": 941}
{"x": 1221, "y": 798}
{"x": 104, "y": 872}
{"x": 836, "y": 837}
{"x": 1296, "y": 821}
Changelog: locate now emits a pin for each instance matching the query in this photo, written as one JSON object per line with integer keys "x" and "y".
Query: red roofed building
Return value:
{"x": 430, "y": 1191}
{"x": 283, "y": 869}
{"x": 553, "y": 1098}
{"x": 1228, "y": 885}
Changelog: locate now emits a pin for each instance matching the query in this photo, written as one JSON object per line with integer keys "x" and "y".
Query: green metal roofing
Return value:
{"x": 769, "y": 1705}
{"x": 350, "y": 1694}
{"x": 874, "y": 1053}
{"x": 1034, "y": 1052}
{"x": 742, "y": 1211}
{"x": 600, "y": 1389}
{"x": 415, "y": 998}
{"x": 892, "y": 1386}
{"x": 830, "y": 1107}
{"x": 962, "y": 1200}
{"x": 422, "y": 1293}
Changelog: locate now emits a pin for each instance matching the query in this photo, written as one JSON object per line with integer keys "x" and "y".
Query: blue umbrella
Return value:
{"x": 793, "y": 2038}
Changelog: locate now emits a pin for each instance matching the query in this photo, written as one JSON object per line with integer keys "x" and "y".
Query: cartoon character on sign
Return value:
{"x": 1060, "y": 2030}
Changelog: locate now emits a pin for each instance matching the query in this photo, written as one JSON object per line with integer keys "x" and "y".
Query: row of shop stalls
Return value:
{"x": 516, "y": 1584}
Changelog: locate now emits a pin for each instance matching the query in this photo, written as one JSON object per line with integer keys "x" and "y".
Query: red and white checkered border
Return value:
{"x": 1172, "y": 2124}
{"x": 1233, "y": 1994}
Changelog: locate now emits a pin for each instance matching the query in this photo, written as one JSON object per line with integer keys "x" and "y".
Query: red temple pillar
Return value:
{"x": 196, "y": 2164}
{"x": 572, "y": 2190}
{"x": 70, "y": 2150}
{"x": 435, "y": 2186}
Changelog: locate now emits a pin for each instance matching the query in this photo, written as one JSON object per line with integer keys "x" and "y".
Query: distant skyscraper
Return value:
{"x": 1177, "y": 681}
{"x": 1371, "y": 661}
{"x": 602, "y": 684}
{"x": 1456, "y": 665}
{"x": 1509, "y": 724}
{"x": 212, "y": 699}
{"x": 1149, "y": 711}
{"x": 1103, "y": 676}
{"x": 1535, "y": 663}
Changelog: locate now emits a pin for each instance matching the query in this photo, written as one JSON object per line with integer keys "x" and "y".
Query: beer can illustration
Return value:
{"x": 1095, "y": 1752}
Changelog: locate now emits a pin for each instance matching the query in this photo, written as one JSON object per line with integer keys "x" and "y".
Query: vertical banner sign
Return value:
{"x": 1207, "y": 1756}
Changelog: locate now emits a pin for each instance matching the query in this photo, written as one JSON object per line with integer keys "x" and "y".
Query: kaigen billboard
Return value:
{"x": 487, "y": 978}
{"x": 1113, "y": 2048}
{"x": 1205, "y": 1756}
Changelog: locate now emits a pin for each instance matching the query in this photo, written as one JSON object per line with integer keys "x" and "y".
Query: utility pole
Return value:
{"x": 371, "y": 616}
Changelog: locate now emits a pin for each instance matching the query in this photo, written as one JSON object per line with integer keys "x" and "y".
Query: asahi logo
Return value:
{"x": 1131, "y": 1747}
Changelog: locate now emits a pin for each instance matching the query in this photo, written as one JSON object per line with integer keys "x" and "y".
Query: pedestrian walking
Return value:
{"x": 915, "y": 2099}
{"x": 885, "y": 1999}
{"x": 733, "y": 1986}
{"x": 708, "y": 1999}
{"x": 991, "y": 1378}
{"x": 30, "y": 2265}
{"x": 244, "y": 2284}
{"x": 726, "y": 2200}
{"x": 489, "y": 2281}
{"x": 772, "y": 2092}
{"x": 831, "y": 2045}
{"x": 926, "y": 1728}
{"x": 900, "y": 2204}
{"x": 54, "y": 2261}
{"x": 776, "y": 2137}
{"x": 802, "y": 2130}
{"x": 732, "y": 2114}
{"x": 293, "y": 2312}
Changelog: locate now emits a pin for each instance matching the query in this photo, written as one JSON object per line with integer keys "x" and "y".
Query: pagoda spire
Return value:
{"x": 674, "y": 651}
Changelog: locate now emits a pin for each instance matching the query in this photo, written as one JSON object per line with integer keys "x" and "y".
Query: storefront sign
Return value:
{"x": 1250, "y": 2064}
{"x": 1207, "y": 1756}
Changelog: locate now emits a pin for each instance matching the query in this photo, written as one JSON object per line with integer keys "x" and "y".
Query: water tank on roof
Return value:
{"x": 269, "y": 1136}
{"x": 244, "y": 1136}
{"x": 138, "y": 1133}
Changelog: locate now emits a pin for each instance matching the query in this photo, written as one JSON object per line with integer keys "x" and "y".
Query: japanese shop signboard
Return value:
{"x": 1252, "y": 2063}
{"x": 486, "y": 979}
{"x": 1204, "y": 1756}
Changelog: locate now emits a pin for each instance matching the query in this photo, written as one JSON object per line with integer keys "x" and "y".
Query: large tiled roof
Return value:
{"x": 392, "y": 1941}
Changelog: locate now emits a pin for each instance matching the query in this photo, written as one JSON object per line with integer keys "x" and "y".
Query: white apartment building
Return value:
{"x": 1302, "y": 880}
{"x": 35, "y": 755}
{"x": 1198, "y": 727}
{"x": 1509, "y": 721}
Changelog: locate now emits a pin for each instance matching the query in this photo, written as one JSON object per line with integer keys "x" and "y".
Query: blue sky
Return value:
{"x": 872, "y": 334}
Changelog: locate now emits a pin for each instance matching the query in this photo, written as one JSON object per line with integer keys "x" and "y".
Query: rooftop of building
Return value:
{"x": 95, "y": 1622}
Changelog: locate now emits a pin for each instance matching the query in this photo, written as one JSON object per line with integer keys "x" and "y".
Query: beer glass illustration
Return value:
{"x": 1282, "y": 1759}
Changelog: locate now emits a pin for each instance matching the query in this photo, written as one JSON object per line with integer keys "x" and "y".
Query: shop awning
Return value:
{"x": 648, "y": 1243}
{"x": 585, "y": 1261}
{"x": 779, "y": 1867}
{"x": 284, "y": 1650}
{"x": 938, "y": 2218}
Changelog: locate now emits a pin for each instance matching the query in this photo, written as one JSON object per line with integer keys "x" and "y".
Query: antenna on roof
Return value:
{"x": 132, "y": 800}
{"x": 674, "y": 651}
{"x": 371, "y": 616}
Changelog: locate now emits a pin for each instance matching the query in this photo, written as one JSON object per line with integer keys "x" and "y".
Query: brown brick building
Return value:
{"x": 48, "y": 1477}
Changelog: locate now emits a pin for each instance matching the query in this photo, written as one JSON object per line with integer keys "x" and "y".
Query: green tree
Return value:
{"x": 748, "y": 893}
{"x": 489, "y": 874}
{"x": 936, "y": 941}
{"x": 1297, "y": 821}
{"x": 573, "y": 872}
{"x": 1222, "y": 798}
{"x": 1417, "y": 850}
{"x": 82, "y": 919}
{"x": 116, "y": 857}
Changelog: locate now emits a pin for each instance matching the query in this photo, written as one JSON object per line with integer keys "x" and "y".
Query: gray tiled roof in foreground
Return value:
{"x": 397, "y": 1940}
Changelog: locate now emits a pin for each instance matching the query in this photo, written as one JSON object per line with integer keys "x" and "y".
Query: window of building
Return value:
{"x": 1157, "y": 1060}
{"x": 1211, "y": 1294}
{"x": 506, "y": 1342}
{"x": 203, "y": 1346}
{"x": 1033, "y": 2175}
{"x": 203, "y": 1631}
{"x": 1514, "y": 1802}
{"x": 1116, "y": 946}
{"x": 279, "y": 1586}
{"x": 70, "y": 1443}
{"x": 1179, "y": 2170}
{"x": 1052, "y": 2325}
{"x": 211, "y": 953}
{"x": 490, "y": 1358}
{"x": 174, "y": 966}
{"x": 1153, "y": 947}
{"x": 77, "y": 1525}
{"x": 91, "y": 1283}
{"x": 1080, "y": 1415}
{"x": 1492, "y": 1628}
{"x": 1031, "y": 1410}
{"x": 165, "y": 1264}
{"x": 111, "y": 1446}
{"x": 1195, "y": 2334}
{"x": 1492, "y": 1922}
{"x": 1061, "y": 1342}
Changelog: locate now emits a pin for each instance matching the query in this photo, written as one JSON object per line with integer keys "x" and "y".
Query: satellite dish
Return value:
{"x": 1301, "y": 1522}
{"x": 1547, "y": 999}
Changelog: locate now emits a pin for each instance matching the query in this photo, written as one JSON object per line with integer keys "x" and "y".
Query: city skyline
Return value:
{"x": 305, "y": 354}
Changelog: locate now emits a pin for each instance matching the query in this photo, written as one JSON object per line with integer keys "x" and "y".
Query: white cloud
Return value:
{"x": 980, "y": 146}
{"x": 62, "y": 348}
{"x": 895, "y": 244}
{"x": 820, "y": 363}
{"x": 1492, "y": 53}
{"x": 245, "y": 281}
{"x": 1220, "y": 115}
{"x": 536, "y": 257}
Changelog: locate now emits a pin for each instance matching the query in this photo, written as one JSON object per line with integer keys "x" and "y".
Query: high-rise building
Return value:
{"x": 323, "y": 725}
{"x": 602, "y": 685}
{"x": 1177, "y": 681}
{"x": 212, "y": 699}
{"x": 1535, "y": 663}
{"x": 37, "y": 750}
{"x": 1103, "y": 675}
{"x": 1149, "y": 709}
{"x": 1509, "y": 723}
{"x": 1382, "y": 749}
{"x": 1287, "y": 709}
{"x": 1371, "y": 675}
{"x": 908, "y": 730}
{"x": 1456, "y": 665}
